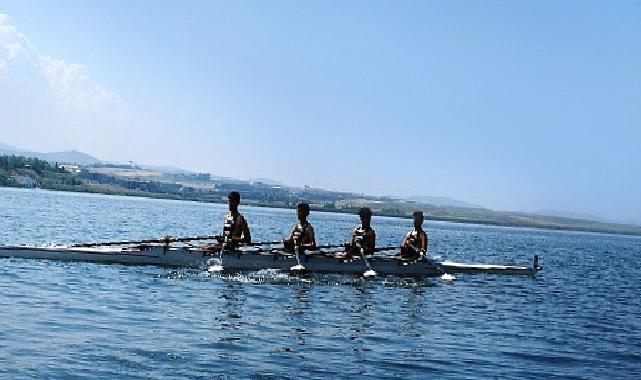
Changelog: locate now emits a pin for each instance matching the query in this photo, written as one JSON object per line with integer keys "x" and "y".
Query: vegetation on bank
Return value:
{"x": 18, "y": 171}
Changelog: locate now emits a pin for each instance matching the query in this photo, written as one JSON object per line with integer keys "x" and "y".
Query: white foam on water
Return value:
{"x": 448, "y": 277}
{"x": 369, "y": 273}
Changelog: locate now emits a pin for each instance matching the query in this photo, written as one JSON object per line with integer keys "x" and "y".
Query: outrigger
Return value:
{"x": 174, "y": 252}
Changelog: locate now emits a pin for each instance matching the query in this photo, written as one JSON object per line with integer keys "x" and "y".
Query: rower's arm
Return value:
{"x": 289, "y": 241}
{"x": 247, "y": 237}
{"x": 311, "y": 239}
{"x": 424, "y": 242}
{"x": 244, "y": 239}
{"x": 370, "y": 244}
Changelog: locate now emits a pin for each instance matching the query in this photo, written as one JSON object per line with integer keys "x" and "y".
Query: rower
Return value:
{"x": 235, "y": 228}
{"x": 302, "y": 234}
{"x": 363, "y": 237}
{"x": 415, "y": 242}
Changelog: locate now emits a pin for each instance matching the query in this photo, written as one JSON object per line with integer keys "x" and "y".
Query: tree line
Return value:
{"x": 17, "y": 162}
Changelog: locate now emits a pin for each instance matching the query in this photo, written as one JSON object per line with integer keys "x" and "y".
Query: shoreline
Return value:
{"x": 352, "y": 212}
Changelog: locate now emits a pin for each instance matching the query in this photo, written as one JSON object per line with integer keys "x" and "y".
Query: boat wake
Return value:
{"x": 287, "y": 278}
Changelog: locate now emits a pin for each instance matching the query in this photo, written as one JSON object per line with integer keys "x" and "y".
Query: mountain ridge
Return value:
{"x": 71, "y": 156}
{"x": 441, "y": 201}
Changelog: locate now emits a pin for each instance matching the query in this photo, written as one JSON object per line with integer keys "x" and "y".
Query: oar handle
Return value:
{"x": 192, "y": 238}
{"x": 318, "y": 247}
{"x": 390, "y": 248}
{"x": 326, "y": 246}
{"x": 296, "y": 248}
{"x": 259, "y": 243}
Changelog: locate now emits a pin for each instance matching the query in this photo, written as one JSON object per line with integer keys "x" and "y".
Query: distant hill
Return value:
{"x": 167, "y": 169}
{"x": 571, "y": 215}
{"x": 67, "y": 156}
{"x": 71, "y": 156}
{"x": 441, "y": 201}
{"x": 266, "y": 181}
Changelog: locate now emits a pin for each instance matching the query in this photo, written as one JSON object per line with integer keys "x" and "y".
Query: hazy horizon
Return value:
{"x": 514, "y": 106}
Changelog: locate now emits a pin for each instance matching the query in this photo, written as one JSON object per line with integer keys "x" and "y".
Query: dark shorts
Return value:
{"x": 409, "y": 253}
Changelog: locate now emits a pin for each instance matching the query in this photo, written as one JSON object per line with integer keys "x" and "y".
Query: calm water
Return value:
{"x": 579, "y": 318}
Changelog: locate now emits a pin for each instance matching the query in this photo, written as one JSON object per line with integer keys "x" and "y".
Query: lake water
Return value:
{"x": 579, "y": 318}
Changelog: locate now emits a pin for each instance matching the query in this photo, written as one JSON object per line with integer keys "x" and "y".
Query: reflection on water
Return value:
{"x": 579, "y": 318}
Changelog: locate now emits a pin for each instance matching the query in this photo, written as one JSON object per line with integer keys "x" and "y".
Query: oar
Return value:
{"x": 259, "y": 243}
{"x": 219, "y": 267}
{"x": 168, "y": 239}
{"x": 369, "y": 272}
{"x": 328, "y": 246}
{"x": 282, "y": 251}
{"x": 298, "y": 267}
{"x": 165, "y": 239}
{"x": 192, "y": 238}
{"x": 390, "y": 248}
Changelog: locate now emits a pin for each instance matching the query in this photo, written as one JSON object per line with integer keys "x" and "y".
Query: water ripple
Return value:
{"x": 579, "y": 318}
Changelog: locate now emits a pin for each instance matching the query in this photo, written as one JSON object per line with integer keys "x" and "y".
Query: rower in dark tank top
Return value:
{"x": 235, "y": 227}
{"x": 363, "y": 237}
{"x": 415, "y": 242}
{"x": 302, "y": 234}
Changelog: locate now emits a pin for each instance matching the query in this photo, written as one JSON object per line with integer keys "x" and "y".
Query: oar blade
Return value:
{"x": 297, "y": 268}
{"x": 369, "y": 273}
{"x": 215, "y": 268}
{"x": 448, "y": 277}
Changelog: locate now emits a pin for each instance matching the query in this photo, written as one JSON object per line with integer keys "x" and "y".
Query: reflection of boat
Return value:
{"x": 253, "y": 259}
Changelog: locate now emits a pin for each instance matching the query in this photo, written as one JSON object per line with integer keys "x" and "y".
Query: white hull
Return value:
{"x": 161, "y": 255}
{"x": 110, "y": 255}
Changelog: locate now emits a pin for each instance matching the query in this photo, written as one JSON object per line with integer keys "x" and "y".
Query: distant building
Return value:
{"x": 206, "y": 177}
{"x": 69, "y": 168}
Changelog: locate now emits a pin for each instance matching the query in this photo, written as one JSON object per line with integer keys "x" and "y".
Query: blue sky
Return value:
{"x": 512, "y": 105}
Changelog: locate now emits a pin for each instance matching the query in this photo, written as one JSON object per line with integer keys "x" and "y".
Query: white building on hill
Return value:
{"x": 70, "y": 168}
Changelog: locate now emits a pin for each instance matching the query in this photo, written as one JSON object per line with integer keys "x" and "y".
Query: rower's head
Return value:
{"x": 233, "y": 200}
{"x": 418, "y": 219}
{"x": 302, "y": 210}
{"x": 366, "y": 216}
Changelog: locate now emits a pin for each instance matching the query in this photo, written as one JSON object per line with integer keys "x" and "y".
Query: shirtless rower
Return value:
{"x": 415, "y": 242}
{"x": 363, "y": 237}
{"x": 235, "y": 228}
{"x": 302, "y": 234}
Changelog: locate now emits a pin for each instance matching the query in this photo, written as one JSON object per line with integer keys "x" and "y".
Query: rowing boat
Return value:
{"x": 248, "y": 258}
